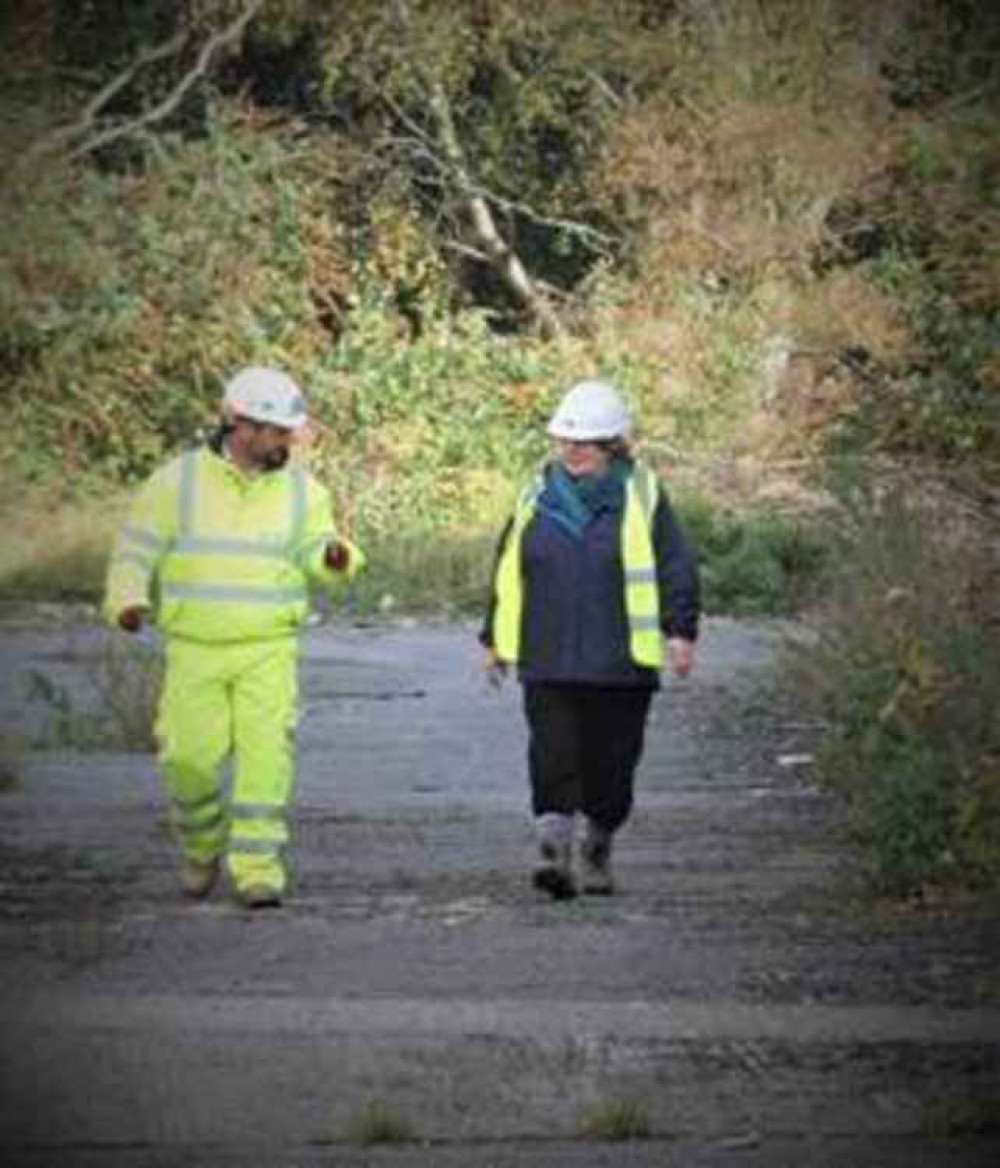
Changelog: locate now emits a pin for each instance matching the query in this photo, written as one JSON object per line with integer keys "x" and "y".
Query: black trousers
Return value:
{"x": 584, "y": 745}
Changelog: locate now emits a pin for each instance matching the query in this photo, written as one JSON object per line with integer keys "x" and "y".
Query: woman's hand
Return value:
{"x": 681, "y": 654}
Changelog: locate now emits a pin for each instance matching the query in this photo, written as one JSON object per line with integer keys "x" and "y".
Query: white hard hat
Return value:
{"x": 266, "y": 395}
{"x": 590, "y": 411}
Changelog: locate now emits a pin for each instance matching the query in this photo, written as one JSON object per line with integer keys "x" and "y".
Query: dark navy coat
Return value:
{"x": 574, "y": 626}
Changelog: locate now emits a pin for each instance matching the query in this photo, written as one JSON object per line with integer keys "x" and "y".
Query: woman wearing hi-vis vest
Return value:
{"x": 592, "y": 573}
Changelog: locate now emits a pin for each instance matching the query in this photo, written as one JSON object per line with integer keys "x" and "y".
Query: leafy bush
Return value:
{"x": 127, "y": 298}
{"x": 54, "y": 550}
{"x": 755, "y": 563}
{"x": 905, "y": 670}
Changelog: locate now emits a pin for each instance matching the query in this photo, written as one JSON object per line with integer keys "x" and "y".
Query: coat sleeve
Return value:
{"x": 677, "y": 573}
{"x": 317, "y": 532}
{"x": 143, "y": 539}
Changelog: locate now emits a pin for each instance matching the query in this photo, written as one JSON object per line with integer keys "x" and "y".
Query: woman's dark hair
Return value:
{"x": 615, "y": 447}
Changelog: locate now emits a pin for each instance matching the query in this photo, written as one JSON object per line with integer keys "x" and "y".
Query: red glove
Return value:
{"x": 337, "y": 557}
{"x": 131, "y": 619}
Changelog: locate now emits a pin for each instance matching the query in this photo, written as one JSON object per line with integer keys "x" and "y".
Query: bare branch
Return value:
{"x": 93, "y": 108}
{"x": 504, "y": 260}
{"x": 102, "y": 137}
{"x": 424, "y": 149}
{"x": 464, "y": 249}
{"x": 599, "y": 83}
{"x": 168, "y": 49}
{"x": 568, "y": 225}
{"x": 416, "y": 130}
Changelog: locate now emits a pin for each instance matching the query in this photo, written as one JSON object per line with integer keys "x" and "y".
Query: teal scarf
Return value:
{"x": 574, "y": 502}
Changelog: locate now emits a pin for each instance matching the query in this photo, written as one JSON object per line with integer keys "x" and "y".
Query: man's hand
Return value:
{"x": 337, "y": 557}
{"x": 132, "y": 619}
{"x": 494, "y": 668}
{"x": 681, "y": 655}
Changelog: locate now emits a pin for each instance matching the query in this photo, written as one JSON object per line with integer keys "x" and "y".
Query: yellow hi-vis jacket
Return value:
{"x": 642, "y": 598}
{"x": 220, "y": 556}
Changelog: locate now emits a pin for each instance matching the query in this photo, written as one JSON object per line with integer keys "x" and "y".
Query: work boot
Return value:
{"x": 595, "y": 858}
{"x": 259, "y": 897}
{"x": 198, "y": 877}
{"x": 554, "y": 873}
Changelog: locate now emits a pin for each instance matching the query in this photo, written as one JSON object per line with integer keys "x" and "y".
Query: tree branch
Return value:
{"x": 93, "y": 108}
{"x": 599, "y": 83}
{"x": 168, "y": 49}
{"x": 111, "y": 133}
{"x": 504, "y": 260}
{"x": 423, "y": 148}
{"x": 568, "y": 225}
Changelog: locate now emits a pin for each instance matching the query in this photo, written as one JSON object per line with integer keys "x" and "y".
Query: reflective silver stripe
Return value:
{"x": 196, "y": 804}
{"x": 187, "y": 509}
{"x": 258, "y": 811}
{"x": 643, "y": 622}
{"x": 238, "y": 592}
{"x": 194, "y": 824}
{"x": 200, "y": 814}
{"x": 255, "y": 847}
{"x": 220, "y": 546}
{"x": 640, "y": 575}
{"x": 298, "y": 503}
{"x": 186, "y": 493}
{"x": 143, "y": 538}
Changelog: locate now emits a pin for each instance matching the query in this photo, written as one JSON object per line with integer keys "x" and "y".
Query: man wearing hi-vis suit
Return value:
{"x": 219, "y": 550}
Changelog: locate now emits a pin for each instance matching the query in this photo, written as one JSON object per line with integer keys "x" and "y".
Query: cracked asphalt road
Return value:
{"x": 742, "y": 994}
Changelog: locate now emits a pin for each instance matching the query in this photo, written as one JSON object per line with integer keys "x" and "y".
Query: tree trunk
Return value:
{"x": 506, "y": 263}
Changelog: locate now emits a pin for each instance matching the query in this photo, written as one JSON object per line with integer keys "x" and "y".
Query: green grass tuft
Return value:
{"x": 379, "y": 1122}
{"x": 11, "y": 753}
{"x": 616, "y": 1120}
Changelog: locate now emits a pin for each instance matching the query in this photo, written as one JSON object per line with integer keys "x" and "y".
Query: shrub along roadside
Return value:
{"x": 757, "y": 563}
{"x": 906, "y": 671}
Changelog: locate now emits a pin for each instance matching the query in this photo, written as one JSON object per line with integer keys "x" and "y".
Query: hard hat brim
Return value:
{"x": 556, "y": 429}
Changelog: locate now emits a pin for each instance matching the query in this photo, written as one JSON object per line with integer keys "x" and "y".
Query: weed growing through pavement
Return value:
{"x": 125, "y": 679}
{"x": 950, "y": 1116}
{"x": 616, "y": 1120}
{"x": 11, "y": 750}
{"x": 129, "y": 678}
{"x": 380, "y": 1123}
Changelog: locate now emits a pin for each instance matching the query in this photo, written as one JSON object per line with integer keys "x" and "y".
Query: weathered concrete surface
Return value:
{"x": 740, "y": 992}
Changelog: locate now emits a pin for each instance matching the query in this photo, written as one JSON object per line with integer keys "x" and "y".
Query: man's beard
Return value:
{"x": 274, "y": 459}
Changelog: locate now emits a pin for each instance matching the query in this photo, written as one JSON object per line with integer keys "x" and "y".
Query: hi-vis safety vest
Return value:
{"x": 224, "y": 557}
{"x": 642, "y": 599}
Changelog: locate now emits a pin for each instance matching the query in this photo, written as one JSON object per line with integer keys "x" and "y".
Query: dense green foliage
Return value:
{"x": 906, "y": 672}
{"x": 781, "y": 218}
{"x": 775, "y": 223}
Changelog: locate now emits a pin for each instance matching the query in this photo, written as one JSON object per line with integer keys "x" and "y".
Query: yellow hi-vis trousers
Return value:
{"x": 238, "y": 700}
